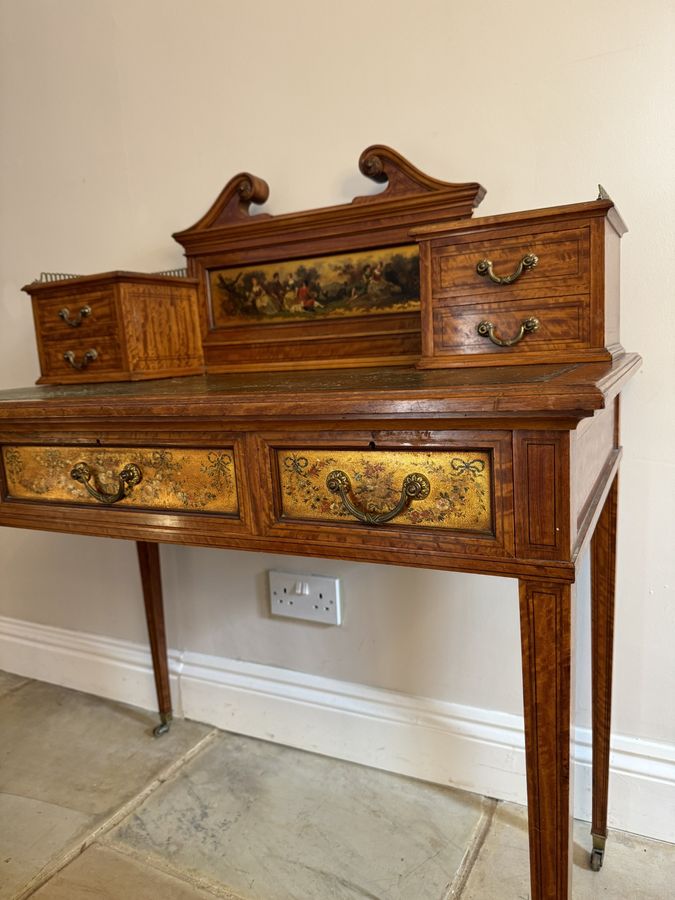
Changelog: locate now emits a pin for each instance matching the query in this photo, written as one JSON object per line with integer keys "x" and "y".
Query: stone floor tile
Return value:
{"x": 82, "y": 752}
{"x": 103, "y": 873}
{"x": 633, "y": 868}
{"x": 9, "y": 682}
{"x": 31, "y": 833}
{"x": 273, "y": 823}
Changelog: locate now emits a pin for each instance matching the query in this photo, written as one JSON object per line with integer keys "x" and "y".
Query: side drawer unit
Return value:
{"x": 526, "y": 287}
{"x": 118, "y": 326}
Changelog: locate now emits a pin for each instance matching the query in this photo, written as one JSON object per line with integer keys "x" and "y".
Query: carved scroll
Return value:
{"x": 384, "y": 165}
{"x": 233, "y": 202}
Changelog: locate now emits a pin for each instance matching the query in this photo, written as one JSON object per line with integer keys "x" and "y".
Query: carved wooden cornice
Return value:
{"x": 410, "y": 198}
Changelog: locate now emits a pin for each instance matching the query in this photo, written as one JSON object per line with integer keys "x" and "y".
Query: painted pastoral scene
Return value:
{"x": 346, "y": 284}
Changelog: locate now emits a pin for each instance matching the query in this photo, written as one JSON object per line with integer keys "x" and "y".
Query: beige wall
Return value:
{"x": 121, "y": 121}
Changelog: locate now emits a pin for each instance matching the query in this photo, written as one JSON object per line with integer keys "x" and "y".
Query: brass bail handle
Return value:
{"x": 130, "y": 475}
{"x": 487, "y": 329}
{"x": 484, "y": 267}
{"x": 76, "y": 321}
{"x": 415, "y": 487}
{"x": 88, "y": 357}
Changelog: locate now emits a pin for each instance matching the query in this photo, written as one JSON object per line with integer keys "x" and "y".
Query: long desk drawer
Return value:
{"x": 451, "y": 491}
{"x": 188, "y": 480}
{"x": 432, "y": 489}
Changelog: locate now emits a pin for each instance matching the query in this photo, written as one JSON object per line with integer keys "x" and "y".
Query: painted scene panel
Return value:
{"x": 346, "y": 284}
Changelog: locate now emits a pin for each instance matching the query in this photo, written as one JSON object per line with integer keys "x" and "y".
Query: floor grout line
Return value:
{"x": 458, "y": 883}
{"x": 159, "y": 864}
{"x": 60, "y": 862}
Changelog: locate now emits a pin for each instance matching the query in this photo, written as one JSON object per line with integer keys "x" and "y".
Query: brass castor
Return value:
{"x": 597, "y": 858}
{"x": 163, "y": 727}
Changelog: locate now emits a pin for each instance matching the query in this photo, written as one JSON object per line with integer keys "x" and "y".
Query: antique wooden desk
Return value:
{"x": 505, "y": 470}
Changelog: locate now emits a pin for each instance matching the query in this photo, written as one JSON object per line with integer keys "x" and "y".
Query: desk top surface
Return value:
{"x": 573, "y": 389}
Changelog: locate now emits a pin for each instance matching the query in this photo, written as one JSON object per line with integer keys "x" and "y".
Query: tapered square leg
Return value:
{"x": 603, "y": 579}
{"x": 151, "y": 577}
{"x": 546, "y": 628}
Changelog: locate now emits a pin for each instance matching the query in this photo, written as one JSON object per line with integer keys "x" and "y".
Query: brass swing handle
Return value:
{"x": 128, "y": 477}
{"x": 487, "y": 329}
{"x": 415, "y": 487}
{"x": 88, "y": 357}
{"x": 77, "y": 320}
{"x": 484, "y": 267}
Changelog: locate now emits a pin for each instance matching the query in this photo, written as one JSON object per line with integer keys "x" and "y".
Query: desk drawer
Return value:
{"x": 188, "y": 480}
{"x": 81, "y": 357}
{"x": 527, "y": 262}
{"x": 435, "y": 489}
{"x": 84, "y": 314}
{"x": 547, "y": 325}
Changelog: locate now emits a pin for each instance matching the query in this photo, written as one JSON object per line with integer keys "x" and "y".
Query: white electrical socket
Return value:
{"x": 311, "y": 597}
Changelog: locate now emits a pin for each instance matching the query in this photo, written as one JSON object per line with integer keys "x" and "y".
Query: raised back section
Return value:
{"x": 337, "y": 286}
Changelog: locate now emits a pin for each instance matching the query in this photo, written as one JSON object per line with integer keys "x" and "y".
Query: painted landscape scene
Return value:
{"x": 347, "y": 284}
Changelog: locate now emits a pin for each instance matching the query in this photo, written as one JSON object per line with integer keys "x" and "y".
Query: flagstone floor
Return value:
{"x": 91, "y": 806}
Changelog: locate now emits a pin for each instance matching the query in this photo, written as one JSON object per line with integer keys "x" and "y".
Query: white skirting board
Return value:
{"x": 478, "y": 750}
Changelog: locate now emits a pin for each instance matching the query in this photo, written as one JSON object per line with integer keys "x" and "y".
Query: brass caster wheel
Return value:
{"x": 597, "y": 859}
{"x": 163, "y": 726}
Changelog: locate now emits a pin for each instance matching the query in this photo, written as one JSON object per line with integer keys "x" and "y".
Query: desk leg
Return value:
{"x": 546, "y": 623}
{"x": 603, "y": 576}
{"x": 151, "y": 576}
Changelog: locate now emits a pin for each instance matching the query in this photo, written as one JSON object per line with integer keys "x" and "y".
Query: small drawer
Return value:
{"x": 520, "y": 327}
{"x": 189, "y": 480}
{"x": 425, "y": 489}
{"x": 526, "y": 263}
{"x": 80, "y": 357}
{"x": 91, "y": 313}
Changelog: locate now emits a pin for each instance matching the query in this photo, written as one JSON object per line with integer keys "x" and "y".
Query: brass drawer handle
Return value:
{"x": 415, "y": 487}
{"x": 487, "y": 329}
{"x": 88, "y": 357}
{"x": 77, "y": 320}
{"x": 484, "y": 267}
{"x": 128, "y": 477}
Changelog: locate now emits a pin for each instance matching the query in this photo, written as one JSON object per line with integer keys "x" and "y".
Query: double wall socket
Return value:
{"x": 314, "y": 598}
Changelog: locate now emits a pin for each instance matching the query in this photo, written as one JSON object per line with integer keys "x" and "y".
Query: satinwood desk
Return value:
{"x": 498, "y": 470}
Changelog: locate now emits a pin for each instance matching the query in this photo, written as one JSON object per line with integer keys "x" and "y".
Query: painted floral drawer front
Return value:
{"x": 190, "y": 480}
{"x": 458, "y": 494}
